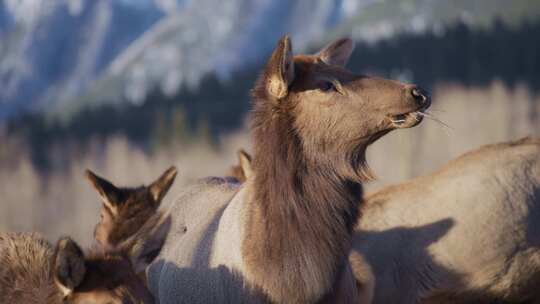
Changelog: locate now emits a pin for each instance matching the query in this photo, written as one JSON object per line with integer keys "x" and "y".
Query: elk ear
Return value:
{"x": 245, "y": 163}
{"x": 337, "y": 52}
{"x": 279, "y": 70}
{"x": 161, "y": 186}
{"x": 110, "y": 195}
{"x": 69, "y": 268}
{"x": 145, "y": 245}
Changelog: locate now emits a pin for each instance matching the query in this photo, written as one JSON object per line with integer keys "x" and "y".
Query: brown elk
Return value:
{"x": 124, "y": 210}
{"x": 284, "y": 235}
{"x": 33, "y": 271}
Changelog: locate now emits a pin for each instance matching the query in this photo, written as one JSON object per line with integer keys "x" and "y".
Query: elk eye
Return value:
{"x": 327, "y": 86}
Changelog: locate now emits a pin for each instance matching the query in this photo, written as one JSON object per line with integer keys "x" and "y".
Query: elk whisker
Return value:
{"x": 430, "y": 116}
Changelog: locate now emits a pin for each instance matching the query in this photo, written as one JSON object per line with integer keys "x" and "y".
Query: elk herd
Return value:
{"x": 291, "y": 223}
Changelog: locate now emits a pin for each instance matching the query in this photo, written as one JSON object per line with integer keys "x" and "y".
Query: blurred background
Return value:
{"x": 130, "y": 87}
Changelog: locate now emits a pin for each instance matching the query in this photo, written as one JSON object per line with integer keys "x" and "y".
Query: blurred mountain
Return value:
{"x": 4, "y": 18}
{"x": 59, "y": 56}
{"x": 51, "y": 50}
{"x": 208, "y": 36}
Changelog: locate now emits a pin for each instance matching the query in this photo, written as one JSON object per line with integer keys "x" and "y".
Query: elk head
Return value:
{"x": 332, "y": 113}
{"x": 125, "y": 210}
{"x": 108, "y": 275}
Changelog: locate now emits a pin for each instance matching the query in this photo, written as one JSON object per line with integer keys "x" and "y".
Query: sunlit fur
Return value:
{"x": 243, "y": 170}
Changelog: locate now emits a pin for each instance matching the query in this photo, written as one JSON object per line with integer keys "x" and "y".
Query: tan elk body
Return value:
{"x": 277, "y": 237}
{"x": 468, "y": 233}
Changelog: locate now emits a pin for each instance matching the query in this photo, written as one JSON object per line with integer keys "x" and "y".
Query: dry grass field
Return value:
{"x": 61, "y": 201}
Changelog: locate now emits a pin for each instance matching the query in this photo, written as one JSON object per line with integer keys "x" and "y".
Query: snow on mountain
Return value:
{"x": 59, "y": 55}
{"x": 212, "y": 36}
{"x": 5, "y": 19}
{"x": 55, "y": 48}
{"x": 56, "y": 51}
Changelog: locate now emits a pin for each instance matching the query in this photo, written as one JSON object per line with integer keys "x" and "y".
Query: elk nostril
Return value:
{"x": 418, "y": 95}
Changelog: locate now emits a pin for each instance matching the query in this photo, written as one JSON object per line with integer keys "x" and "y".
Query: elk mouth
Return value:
{"x": 409, "y": 119}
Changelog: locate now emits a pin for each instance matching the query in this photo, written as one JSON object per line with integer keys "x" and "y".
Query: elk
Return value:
{"x": 284, "y": 235}
{"x": 34, "y": 271}
{"x": 124, "y": 210}
{"x": 467, "y": 233}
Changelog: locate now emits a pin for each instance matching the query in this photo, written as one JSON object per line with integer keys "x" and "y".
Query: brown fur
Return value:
{"x": 28, "y": 278}
{"x": 125, "y": 210}
{"x": 32, "y": 271}
{"x": 309, "y": 162}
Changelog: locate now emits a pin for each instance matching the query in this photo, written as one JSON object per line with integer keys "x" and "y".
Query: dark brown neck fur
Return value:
{"x": 302, "y": 211}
